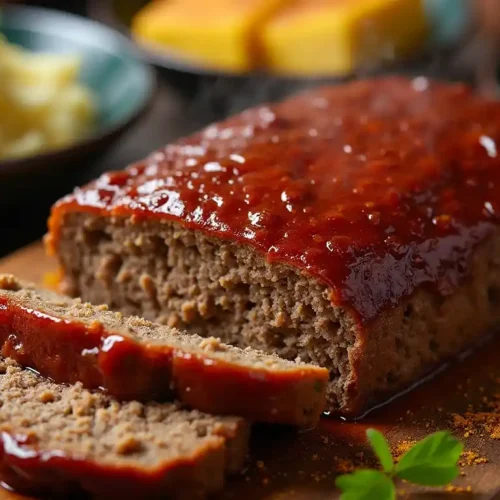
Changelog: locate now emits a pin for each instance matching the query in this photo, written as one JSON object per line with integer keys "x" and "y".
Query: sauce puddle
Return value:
{"x": 303, "y": 465}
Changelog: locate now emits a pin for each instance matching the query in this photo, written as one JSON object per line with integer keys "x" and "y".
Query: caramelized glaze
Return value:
{"x": 375, "y": 187}
{"x": 67, "y": 350}
{"x": 303, "y": 466}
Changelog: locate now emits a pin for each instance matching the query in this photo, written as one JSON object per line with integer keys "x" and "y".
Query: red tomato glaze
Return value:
{"x": 374, "y": 187}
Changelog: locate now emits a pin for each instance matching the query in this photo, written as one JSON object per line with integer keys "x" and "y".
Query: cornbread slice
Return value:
{"x": 132, "y": 358}
{"x": 56, "y": 438}
{"x": 324, "y": 37}
{"x": 219, "y": 34}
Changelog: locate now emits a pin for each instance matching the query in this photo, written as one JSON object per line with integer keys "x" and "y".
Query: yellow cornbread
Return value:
{"x": 337, "y": 37}
{"x": 216, "y": 33}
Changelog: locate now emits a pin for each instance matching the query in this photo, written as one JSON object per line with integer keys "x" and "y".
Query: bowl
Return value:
{"x": 122, "y": 82}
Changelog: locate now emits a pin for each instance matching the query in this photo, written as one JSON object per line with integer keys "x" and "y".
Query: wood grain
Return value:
{"x": 285, "y": 464}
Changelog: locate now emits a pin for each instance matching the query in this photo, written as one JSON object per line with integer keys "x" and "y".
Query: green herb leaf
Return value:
{"x": 432, "y": 461}
{"x": 366, "y": 484}
{"x": 381, "y": 449}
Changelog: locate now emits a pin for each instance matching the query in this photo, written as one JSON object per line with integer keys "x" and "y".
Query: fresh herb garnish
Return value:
{"x": 430, "y": 462}
{"x": 381, "y": 449}
{"x": 366, "y": 484}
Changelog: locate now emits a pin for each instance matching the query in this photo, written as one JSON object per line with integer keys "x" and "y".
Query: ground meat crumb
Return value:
{"x": 168, "y": 290}
{"x": 105, "y": 272}
{"x": 280, "y": 320}
{"x": 224, "y": 302}
{"x": 136, "y": 321}
{"x": 123, "y": 276}
{"x": 173, "y": 320}
{"x": 189, "y": 311}
{"x": 210, "y": 344}
{"x": 227, "y": 258}
{"x": 56, "y": 303}
{"x": 128, "y": 445}
{"x": 80, "y": 311}
{"x": 226, "y": 282}
{"x": 147, "y": 284}
{"x": 47, "y": 397}
{"x": 9, "y": 282}
{"x": 205, "y": 308}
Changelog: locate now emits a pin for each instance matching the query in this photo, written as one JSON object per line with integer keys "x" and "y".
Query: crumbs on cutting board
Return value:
{"x": 483, "y": 421}
{"x": 343, "y": 465}
{"x": 470, "y": 457}
{"x": 458, "y": 489}
{"x": 401, "y": 447}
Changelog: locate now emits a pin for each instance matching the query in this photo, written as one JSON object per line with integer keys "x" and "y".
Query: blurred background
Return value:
{"x": 128, "y": 76}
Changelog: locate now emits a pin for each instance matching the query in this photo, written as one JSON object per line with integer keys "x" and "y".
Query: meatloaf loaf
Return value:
{"x": 132, "y": 358}
{"x": 54, "y": 438}
{"x": 354, "y": 227}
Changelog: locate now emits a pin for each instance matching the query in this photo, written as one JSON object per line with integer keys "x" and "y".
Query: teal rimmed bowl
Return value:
{"x": 122, "y": 83}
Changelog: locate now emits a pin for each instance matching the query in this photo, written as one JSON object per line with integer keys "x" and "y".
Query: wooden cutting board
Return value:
{"x": 302, "y": 465}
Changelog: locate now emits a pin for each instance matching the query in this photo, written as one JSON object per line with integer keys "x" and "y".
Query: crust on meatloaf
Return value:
{"x": 353, "y": 226}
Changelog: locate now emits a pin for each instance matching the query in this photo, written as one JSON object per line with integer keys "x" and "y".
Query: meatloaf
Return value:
{"x": 54, "y": 438}
{"x": 354, "y": 227}
{"x": 132, "y": 358}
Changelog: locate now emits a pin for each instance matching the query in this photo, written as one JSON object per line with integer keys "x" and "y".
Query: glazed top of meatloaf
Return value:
{"x": 374, "y": 187}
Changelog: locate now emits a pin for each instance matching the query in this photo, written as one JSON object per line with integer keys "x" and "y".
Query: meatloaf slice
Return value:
{"x": 55, "y": 437}
{"x": 132, "y": 358}
{"x": 355, "y": 227}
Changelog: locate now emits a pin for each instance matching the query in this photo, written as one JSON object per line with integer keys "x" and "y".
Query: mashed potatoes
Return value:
{"x": 42, "y": 105}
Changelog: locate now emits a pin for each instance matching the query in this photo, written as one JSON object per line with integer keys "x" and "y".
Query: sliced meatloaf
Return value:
{"x": 355, "y": 227}
{"x": 132, "y": 358}
{"x": 54, "y": 438}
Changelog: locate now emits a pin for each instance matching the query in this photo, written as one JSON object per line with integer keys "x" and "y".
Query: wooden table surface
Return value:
{"x": 302, "y": 465}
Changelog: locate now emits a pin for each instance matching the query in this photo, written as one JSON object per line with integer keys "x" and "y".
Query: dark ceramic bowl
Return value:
{"x": 113, "y": 69}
